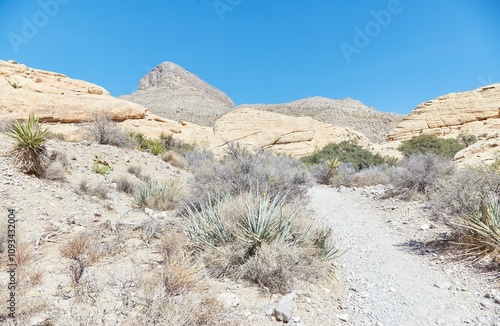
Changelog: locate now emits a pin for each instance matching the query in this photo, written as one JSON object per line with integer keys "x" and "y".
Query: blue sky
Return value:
{"x": 389, "y": 54}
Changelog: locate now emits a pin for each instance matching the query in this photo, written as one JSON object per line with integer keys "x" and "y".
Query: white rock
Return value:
{"x": 284, "y": 309}
{"x": 343, "y": 317}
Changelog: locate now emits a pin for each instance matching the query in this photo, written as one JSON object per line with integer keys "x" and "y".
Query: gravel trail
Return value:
{"x": 389, "y": 285}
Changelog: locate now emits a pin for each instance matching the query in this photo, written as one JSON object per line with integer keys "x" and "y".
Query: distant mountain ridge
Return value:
{"x": 174, "y": 93}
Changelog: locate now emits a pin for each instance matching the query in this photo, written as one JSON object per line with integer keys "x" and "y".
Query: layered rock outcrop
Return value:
{"x": 54, "y": 97}
{"x": 295, "y": 136}
{"x": 476, "y": 112}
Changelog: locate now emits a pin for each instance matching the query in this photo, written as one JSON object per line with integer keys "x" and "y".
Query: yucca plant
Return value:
{"x": 156, "y": 146}
{"x": 266, "y": 220}
{"x": 29, "y": 151}
{"x": 205, "y": 225}
{"x": 141, "y": 140}
{"x": 333, "y": 165}
{"x": 328, "y": 247}
{"x": 482, "y": 227}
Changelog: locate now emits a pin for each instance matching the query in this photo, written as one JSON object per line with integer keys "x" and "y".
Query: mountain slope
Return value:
{"x": 174, "y": 93}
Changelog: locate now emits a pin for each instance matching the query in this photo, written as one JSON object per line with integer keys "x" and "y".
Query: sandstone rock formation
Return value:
{"x": 347, "y": 112}
{"x": 485, "y": 151}
{"x": 296, "y": 136}
{"x": 174, "y": 93}
{"x": 53, "y": 97}
{"x": 476, "y": 112}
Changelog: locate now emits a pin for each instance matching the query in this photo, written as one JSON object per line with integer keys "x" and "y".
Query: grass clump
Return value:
{"x": 124, "y": 184}
{"x": 158, "y": 195}
{"x": 346, "y": 152}
{"x": 260, "y": 238}
{"x": 29, "y": 152}
{"x": 444, "y": 148}
{"x": 99, "y": 190}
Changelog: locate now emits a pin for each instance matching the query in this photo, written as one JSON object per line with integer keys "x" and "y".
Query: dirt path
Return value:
{"x": 388, "y": 285}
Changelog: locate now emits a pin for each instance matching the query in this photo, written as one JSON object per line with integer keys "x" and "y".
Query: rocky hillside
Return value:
{"x": 173, "y": 92}
{"x": 346, "y": 112}
{"x": 474, "y": 112}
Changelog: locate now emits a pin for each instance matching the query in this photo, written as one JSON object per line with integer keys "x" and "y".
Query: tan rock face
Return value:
{"x": 483, "y": 152}
{"x": 54, "y": 97}
{"x": 475, "y": 112}
{"x": 296, "y": 136}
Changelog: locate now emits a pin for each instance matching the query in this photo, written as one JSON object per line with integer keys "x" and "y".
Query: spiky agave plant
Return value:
{"x": 482, "y": 228}
{"x": 29, "y": 151}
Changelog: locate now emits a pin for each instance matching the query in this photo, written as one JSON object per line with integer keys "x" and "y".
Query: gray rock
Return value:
{"x": 284, "y": 309}
{"x": 497, "y": 299}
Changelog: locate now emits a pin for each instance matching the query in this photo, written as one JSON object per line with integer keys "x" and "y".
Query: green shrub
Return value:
{"x": 346, "y": 152}
{"x": 444, "y": 148}
{"x": 467, "y": 140}
{"x": 29, "y": 151}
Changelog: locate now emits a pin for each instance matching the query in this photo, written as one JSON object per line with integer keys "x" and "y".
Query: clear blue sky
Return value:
{"x": 389, "y": 54}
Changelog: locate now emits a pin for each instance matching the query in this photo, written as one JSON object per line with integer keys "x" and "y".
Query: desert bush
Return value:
{"x": 150, "y": 228}
{"x": 174, "y": 159}
{"x": 346, "y": 152}
{"x": 60, "y": 157}
{"x": 124, "y": 184}
{"x": 467, "y": 139}
{"x": 418, "y": 174}
{"x": 29, "y": 151}
{"x": 464, "y": 192}
{"x": 106, "y": 132}
{"x": 444, "y": 148}
{"x": 232, "y": 231}
{"x": 480, "y": 229}
{"x": 99, "y": 190}
{"x": 55, "y": 171}
{"x": 137, "y": 171}
{"x": 158, "y": 195}
{"x": 371, "y": 176}
{"x": 242, "y": 171}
